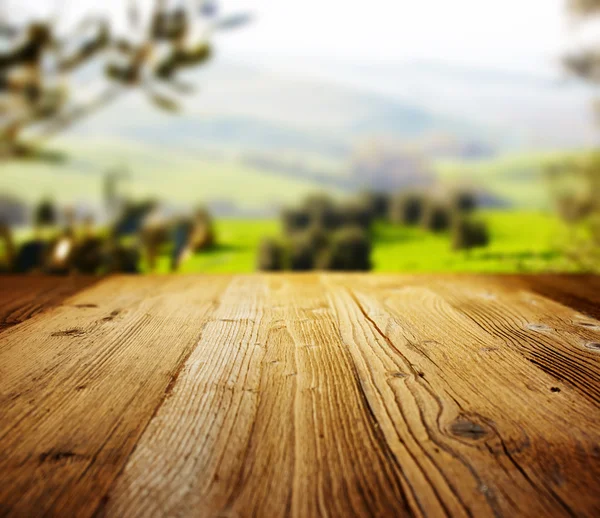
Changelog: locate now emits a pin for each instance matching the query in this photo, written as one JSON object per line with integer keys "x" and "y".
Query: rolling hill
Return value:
{"x": 253, "y": 139}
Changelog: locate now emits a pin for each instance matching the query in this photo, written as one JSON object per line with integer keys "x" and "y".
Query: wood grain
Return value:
{"x": 579, "y": 292}
{"x": 267, "y": 420}
{"x": 479, "y": 408}
{"x": 552, "y": 337}
{"x": 22, "y": 297}
{"x": 304, "y": 396}
{"x": 79, "y": 386}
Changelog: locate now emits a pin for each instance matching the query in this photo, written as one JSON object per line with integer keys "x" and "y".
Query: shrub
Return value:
{"x": 203, "y": 233}
{"x": 31, "y": 256}
{"x": 436, "y": 216}
{"x": 7, "y": 248}
{"x": 88, "y": 256}
{"x": 322, "y": 212}
{"x": 303, "y": 249}
{"x": 45, "y": 214}
{"x": 318, "y": 238}
{"x": 464, "y": 201}
{"x": 355, "y": 215}
{"x": 407, "y": 208}
{"x": 467, "y": 234}
{"x": 350, "y": 250}
{"x": 377, "y": 203}
{"x": 121, "y": 258}
{"x": 271, "y": 256}
{"x": 301, "y": 254}
{"x": 295, "y": 220}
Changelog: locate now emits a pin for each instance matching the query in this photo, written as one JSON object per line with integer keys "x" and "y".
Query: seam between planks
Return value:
{"x": 181, "y": 363}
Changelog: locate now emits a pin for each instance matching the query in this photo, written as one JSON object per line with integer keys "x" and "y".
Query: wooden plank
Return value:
{"x": 305, "y": 395}
{"x": 79, "y": 385}
{"x": 579, "y": 292}
{"x": 266, "y": 419}
{"x": 487, "y": 429}
{"x": 563, "y": 343}
{"x": 22, "y": 297}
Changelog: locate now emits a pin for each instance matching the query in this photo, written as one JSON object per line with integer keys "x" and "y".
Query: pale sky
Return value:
{"x": 499, "y": 34}
{"x": 507, "y": 34}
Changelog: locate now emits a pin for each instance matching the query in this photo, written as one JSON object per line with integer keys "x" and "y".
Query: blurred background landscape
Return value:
{"x": 388, "y": 136}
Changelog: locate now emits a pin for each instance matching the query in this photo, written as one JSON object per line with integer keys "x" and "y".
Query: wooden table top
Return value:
{"x": 301, "y": 395}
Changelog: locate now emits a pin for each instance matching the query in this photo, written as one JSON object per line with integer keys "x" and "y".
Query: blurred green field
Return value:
{"x": 521, "y": 241}
{"x": 526, "y": 238}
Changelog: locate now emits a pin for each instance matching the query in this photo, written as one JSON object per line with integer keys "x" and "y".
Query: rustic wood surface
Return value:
{"x": 300, "y": 395}
{"x": 22, "y": 297}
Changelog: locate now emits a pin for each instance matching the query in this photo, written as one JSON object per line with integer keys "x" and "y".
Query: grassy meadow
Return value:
{"x": 522, "y": 241}
{"x": 525, "y": 237}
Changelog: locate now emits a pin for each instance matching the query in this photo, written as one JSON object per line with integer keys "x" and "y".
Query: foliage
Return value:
{"x": 406, "y": 208}
{"x": 295, "y": 220}
{"x": 322, "y": 234}
{"x": 39, "y": 66}
{"x": 350, "y": 250}
{"x": 320, "y": 212}
{"x": 355, "y": 214}
{"x": 585, "y": 7}
{"x": 463, "y": 201}
{"x": 468, "y": 233}
{"x": 575, "y": 185}
{"x": 271, "y": 255}
{"x": 377, "y": 203}
{"x": 437, "y": 216}
{"x": 301, "y": 253}
{"x": 45, "y": 214}
{"x": 585, "y": 64}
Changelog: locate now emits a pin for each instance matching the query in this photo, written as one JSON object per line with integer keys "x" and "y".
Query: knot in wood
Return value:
{"x": 468, "y": 429}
